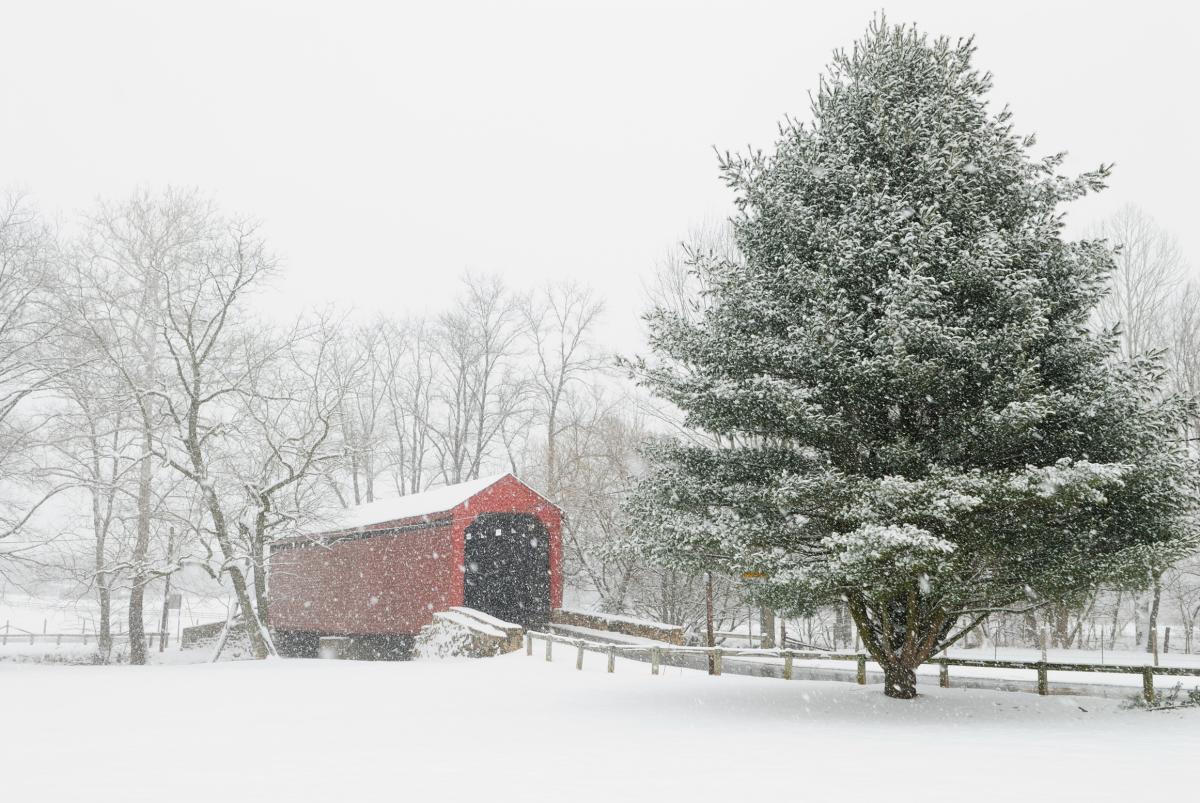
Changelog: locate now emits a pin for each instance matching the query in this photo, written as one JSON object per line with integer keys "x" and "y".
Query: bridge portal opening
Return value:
{"x": 507, "y": 568}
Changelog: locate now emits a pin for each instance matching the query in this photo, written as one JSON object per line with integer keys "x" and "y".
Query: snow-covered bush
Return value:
{"x": 442, "y": 639}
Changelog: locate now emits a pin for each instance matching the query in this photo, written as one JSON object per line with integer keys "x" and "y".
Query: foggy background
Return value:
{"x": 386, "y": 149}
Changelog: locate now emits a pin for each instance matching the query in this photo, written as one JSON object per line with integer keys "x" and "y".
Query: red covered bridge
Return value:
{"x": 381, "y": 570}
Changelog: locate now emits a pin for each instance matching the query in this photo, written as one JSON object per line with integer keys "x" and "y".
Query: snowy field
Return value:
{"x": 518, "y": 728}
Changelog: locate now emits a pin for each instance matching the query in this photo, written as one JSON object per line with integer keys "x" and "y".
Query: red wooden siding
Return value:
{"x": 392, "y": 584}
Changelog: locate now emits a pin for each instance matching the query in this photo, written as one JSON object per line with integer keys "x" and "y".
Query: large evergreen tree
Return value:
{"x": 903, "y": 407}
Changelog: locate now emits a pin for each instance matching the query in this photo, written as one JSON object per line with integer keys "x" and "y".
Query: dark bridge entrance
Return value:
{"x": 508, "y": 568}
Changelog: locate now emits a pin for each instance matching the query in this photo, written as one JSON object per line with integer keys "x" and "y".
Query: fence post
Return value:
{"x": 1148, "y": 685}
{"x": 549, "y": 649}
{"x": 787, "y": 666}
{"x": 58, "y": 640}
{"x": 717, "y": 661}
{"x": 655, "y": 657}
{"x": 944, "y": 675}
{"x": 579, "y": 657}
{"x": 1167, "y": 640}
{"x": 862, "y": 670}
{"x": 528, "y": 644}
{"x": 612, "y": 658}
{"x": 1043, "y": 679}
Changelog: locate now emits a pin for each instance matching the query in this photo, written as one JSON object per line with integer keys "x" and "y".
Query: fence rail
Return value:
{"x": 656, "y": 653}
{"x": 75, "y": 638}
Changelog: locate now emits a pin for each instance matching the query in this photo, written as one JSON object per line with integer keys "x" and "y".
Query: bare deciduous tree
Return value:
{"x": 478, "y": 384}
{"x": 27, "y": 365}
{"x": 559, "y": 322}
{"x": 1149, "y": 264}
{"x": 130, "y": 251}
{"x": 1149, "y": 268}
{"x": 249, "y": 410}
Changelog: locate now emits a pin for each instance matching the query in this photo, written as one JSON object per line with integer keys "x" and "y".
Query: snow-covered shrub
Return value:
{"x": 1177, "y": 697}
{"x": 442, "y": 639}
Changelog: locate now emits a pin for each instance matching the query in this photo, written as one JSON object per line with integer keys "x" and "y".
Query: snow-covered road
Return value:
{"x": 518, "y": 728}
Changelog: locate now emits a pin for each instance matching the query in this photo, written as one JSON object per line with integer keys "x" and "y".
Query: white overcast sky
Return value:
{"x": 388, "y": 147}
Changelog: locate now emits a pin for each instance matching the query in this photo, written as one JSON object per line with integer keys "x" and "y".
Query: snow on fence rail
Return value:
{"x": 655, "y": 655}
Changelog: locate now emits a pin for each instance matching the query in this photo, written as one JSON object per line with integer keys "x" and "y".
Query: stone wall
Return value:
{"x": 204, "y": 637}
{"x": 199, "y": 636}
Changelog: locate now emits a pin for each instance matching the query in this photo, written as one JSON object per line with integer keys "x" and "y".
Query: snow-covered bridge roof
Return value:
{"x": 434, "y": 500}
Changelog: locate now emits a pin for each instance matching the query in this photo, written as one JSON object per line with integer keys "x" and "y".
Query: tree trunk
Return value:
{"x": 1062, "y": 617}
{"x": 552, "y": 452}
{"x": 767, "y": 629}
{"x": 1031, "y": 628}
{"x": 710, "y": 631}
{"x": 103, "y": 581}
{"x": 1116, "y": 622}
{"x": 255, "y": 631}
{"x": 260, "y": 579}
{"x": 141, "y": 548}
{"x": 104, "y": 634}
{"x": 1139, "y": 605}
{"x": 251, "y": 622}
{"x": 901, "y": 633}
{"x": 165, "y": 622}
{"x": 1152, "y": 618}
{"x": 899, "y": 682}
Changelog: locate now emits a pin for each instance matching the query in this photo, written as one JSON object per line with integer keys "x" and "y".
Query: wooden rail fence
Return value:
{"x": 25, "y": 637}
{"x": 716, "y": 654}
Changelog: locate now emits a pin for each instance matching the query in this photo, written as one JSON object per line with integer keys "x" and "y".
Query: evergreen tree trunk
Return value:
{"x": 900, "y": 634}
{"x": 767, "y": 628}
{"x": 1031, "y": 629}
{"x": 1116, "y": 621}
{"x": 709, "y": 630}
{"x": 899, "y": 682}
{"x": 1062, "y": 617}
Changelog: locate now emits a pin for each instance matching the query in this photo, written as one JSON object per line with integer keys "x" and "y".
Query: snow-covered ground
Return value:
{"x": 519, "y": 728}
